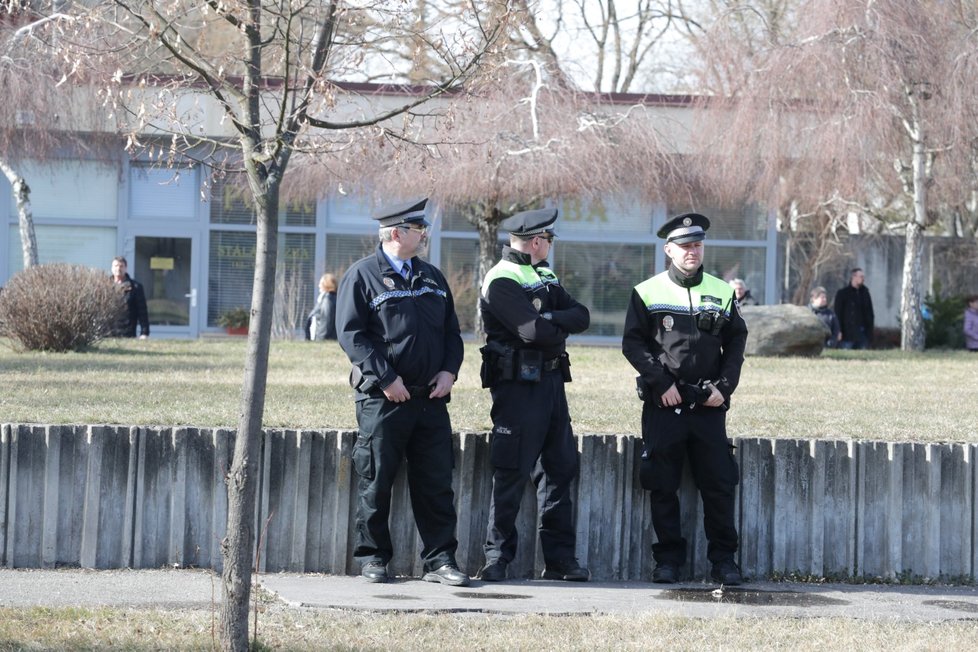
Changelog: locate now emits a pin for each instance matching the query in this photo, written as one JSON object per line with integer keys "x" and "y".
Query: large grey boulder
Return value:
{"x": 783, "y": 330}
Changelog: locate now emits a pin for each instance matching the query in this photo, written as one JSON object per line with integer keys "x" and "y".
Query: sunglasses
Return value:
{"x": 419, "y": 229}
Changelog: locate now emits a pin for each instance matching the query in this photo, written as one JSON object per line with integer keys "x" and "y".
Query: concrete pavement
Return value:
{"x": 194, "y": 589}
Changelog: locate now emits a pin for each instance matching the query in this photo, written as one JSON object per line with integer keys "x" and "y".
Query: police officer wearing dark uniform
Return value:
{"x": 685, "y": 336}
{"x": 528, "y": 316}
{"x": 395, "y": 319}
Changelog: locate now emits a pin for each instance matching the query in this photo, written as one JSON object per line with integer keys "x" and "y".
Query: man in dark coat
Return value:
{"x": 135, "y": 298}
{"x": 854, "y": 310}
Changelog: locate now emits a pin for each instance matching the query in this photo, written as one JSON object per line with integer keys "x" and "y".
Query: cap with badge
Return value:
{"x": 685, "y": 228}
{"x": 531, "y": 223}
{"x": 408, "y": 212}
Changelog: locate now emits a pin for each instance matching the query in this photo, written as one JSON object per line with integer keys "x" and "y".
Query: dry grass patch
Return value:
{"x": 300, "y": 629}
{"x": 875, "y": 395}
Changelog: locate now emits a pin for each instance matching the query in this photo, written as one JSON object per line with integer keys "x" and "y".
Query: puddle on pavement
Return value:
{"x": 956, "y": 605}
{"x": 492, "y": 596}
{"x": 396, "y": 596}
{"x": 751, "y": 597}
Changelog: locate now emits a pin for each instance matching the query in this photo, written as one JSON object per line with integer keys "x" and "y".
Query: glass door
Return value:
{"x": 166, "y": 268}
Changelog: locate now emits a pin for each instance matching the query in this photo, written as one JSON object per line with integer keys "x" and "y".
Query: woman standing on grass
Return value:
{"x": 322, "y": 318}
{"x": 971, "y": 324}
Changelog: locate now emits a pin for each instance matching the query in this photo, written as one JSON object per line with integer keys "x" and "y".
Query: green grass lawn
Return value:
{"x": 875, "y": 395}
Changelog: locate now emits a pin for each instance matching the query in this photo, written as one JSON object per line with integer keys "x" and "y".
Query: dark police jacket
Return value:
{"x": 390, "y": 327}
{"x": 514, "y": 296}
{"x": 665, "y": 339}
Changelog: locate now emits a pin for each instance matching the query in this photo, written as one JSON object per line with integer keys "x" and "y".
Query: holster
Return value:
{"x": 498, "y": 363}
{"x": 359, "y": 382}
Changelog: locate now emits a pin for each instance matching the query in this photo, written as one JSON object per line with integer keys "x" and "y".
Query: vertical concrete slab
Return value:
{"x": 203, "y": 487}
{"x": 302, "y": 440}
{"x": 588, "y": 503}
{"x": 315, "y": 543}
{"x": 156, "y": 478}
{"x": 757, "y": 488}
{"x": 956, "y": 505}
{"x": 52, "y": 475}
{"x": 465, "y": 480}
{"x": 178, "y": 498}
{"x": 346, "y": 497}
{"x": 280, "y": 488}
{"x": 5, "y": 438}
{"x": 127, "y": 537}
{"x": 223, "y": 443}
{"x": 838, "y": 515}
{"x": 920, "y": 543}
{"x": 88, "y": 555}
{"x": 794, "y": 470}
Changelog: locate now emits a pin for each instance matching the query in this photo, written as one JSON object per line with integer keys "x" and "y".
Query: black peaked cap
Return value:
{"x": 688, "y": 227}
{"x": 530, "y": 223}
{"x": 409, "y": 212}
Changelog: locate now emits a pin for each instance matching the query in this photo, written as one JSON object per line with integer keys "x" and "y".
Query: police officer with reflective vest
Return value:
{"x": 528, "y": 316}
{"x": 395, "y": 319}
{"x": 685, "y": 336}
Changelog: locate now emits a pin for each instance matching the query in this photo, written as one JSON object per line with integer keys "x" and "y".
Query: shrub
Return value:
{"x": 59, "y": 307}
{"x": 945, "y": 328}
{"x": 234, "y": 318}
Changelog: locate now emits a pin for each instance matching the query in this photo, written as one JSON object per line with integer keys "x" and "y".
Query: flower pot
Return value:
{"x": 237, "y": 330}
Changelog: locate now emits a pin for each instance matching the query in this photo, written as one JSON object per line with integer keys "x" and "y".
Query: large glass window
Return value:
{"x": 83, "y": 190}
{"x": 231, "y": 204}
{"x": 744, "y": 223}
{"x": 231, "y": 272}
{"x": 601, "y": 276}
{"x": 163, "y": 194}
{"x": 460, "y": 265}
{"x": 605, "y": 217}
{"x": 344, "y": 250}
{"x": 747, "y": 263}
{"x": 78, "y": 245}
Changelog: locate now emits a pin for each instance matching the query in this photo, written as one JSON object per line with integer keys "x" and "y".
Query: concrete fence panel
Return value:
{"x": 146, "y": 497}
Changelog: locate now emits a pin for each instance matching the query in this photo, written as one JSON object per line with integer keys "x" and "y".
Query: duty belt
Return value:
{"x": 419, "y": 391}
{"x": 551, "y": 365}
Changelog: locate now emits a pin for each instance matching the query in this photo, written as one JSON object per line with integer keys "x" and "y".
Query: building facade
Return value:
{"x": 192, "y": 243}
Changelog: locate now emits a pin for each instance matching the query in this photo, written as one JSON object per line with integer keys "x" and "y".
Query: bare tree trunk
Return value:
{"x": 25, "y": 216}
{"x": 488, "y": 228}
{"x": 911, "y": 319}
{"x": 239, "y": 541}
{"x": 912, "y": 336}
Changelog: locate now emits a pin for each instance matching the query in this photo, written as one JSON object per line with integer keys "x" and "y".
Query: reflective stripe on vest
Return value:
{"x": 661, "y": 294}
{"x": 528, "y": 277}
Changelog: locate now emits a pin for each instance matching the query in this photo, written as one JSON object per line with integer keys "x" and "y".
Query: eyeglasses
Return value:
{"x": 548, "y": 237}
{"x": 419, "y": 229}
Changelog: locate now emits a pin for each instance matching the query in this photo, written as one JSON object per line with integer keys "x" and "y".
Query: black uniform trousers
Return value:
{"x": 532, "y": 438}
{"x": 420, "y": 430}
{"x": 700, "y": 434}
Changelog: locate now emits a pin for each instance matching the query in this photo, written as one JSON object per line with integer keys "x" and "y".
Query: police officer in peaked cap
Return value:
{"x": 528, "y": 316}
{"x": 395, "y": 320}
{"x": 685, "y": 337}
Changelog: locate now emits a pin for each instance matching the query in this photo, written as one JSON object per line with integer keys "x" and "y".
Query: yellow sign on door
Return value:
{"x": 158, "y": 262}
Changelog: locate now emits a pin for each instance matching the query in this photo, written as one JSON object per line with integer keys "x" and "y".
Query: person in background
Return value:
{"x": 322, "y": 318}
{"x": 135, "y": 298}
{"x": 820, "y": 306}
{"x": 396, "y": 322}
{"x": 741, "y": 293}
{"x": 971, "y": 324}
{"x": 854, "y": 310}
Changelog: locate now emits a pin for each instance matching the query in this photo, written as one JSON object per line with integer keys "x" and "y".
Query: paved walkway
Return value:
{"x": 194, "y": 589}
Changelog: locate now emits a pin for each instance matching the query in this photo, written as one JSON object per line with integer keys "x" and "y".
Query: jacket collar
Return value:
{"x": 514, "y": 256}
{"x": 682, "y": 280}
